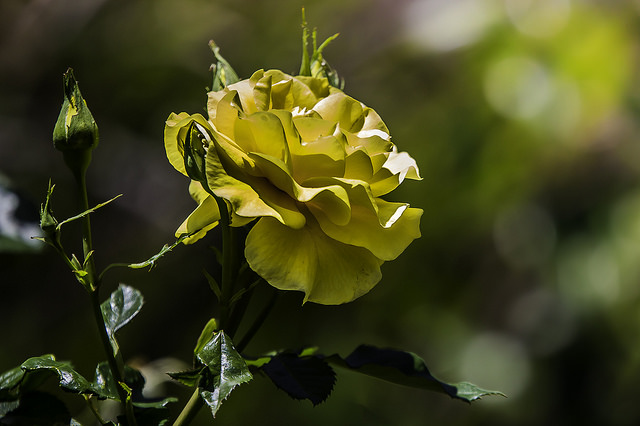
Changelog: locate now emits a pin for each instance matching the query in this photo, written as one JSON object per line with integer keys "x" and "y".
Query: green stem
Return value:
{"x": 116, "y": 364}
{"x": 229, "y": 261}
{"x": 257, "y": 323}
{"x": 190, "y": 410}
{"x": 87, "y": 243}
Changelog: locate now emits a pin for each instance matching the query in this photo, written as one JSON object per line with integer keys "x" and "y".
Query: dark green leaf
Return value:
{"x": 154, "y": 413}
{"x": 404, "y": 368}
{"x": 7, "y": 407}
{"x": 213, "y": 284}
{"x": 226, "y": 369}
{"x": 69, "y": 379}
{"x": 125, "y": 302}
{"x": 308, "y": 377}
{"x": 9, "y": 381}
{"x": 188, "y": 378}
{"x": 35, "y": 408}
{"x": 107, "y": 386}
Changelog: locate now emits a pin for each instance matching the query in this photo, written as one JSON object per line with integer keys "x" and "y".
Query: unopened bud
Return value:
{"x": 76, "y": 132}
{"x": 195, "y": 154}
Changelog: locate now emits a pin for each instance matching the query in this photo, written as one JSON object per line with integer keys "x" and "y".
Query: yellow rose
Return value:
{"x": 311, "y": 163}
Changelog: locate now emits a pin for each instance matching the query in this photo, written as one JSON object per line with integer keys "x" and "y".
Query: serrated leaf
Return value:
{"x": 307, "y": 377}
{"x": 151, "y": 262}
{"x": 188, "y": 378}
{"x": 124, "y": 304}
{"x": 225, "y": 370}
{"x": 404, "y": 368}
{"x": 86, "y": 212}
{"x": 69, "y": 379}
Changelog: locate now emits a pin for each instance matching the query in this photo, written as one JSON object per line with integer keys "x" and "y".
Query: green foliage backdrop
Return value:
{"x": 523, "y": 118}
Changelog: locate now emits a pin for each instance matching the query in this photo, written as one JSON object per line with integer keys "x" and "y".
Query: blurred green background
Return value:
{"x": 523, "y": 118}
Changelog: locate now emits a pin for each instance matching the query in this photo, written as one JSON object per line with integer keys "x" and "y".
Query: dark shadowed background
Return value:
{"x": 522, "y": 115}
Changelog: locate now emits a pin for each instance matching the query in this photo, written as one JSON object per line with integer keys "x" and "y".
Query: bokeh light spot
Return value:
{"x": 444, "y": 25}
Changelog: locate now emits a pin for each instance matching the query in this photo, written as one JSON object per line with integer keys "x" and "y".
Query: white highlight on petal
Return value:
{"x": 395, "y": 216}
{"x": 373, "y": 132}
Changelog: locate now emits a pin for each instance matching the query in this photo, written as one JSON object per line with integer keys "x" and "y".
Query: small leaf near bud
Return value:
{"x": 48, "y": 223}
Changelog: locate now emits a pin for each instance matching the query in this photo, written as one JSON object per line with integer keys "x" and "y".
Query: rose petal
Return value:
{"x": 331, "y": 198}
{"x": 202, "y": 219}
{"x": 383, "y": 228}
{"x": 327, "y": 271}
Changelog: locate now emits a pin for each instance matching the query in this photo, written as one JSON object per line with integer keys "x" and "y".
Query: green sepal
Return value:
{"x": 124, "y": 304}
{"x": 225, "y": 370}
{"x": 223, "y": 73}
{"x": 404, "y": 368}
{"x": 315, "y": 65}
{"x": 195, "y": 154}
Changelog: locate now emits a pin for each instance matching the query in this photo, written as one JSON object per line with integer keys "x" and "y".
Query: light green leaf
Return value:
{"x": 151, "y": 262}
{"x": 125, "y": 303}
{"x": 86, "y": 212}
{"x": 208, "y": 332}
{"x": 225, "y": 370}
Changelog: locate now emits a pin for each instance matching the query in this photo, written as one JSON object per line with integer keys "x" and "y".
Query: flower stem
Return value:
{"x": 257, "y": 323}
{"x": 116, "y": 364}
{"x": 190, "y": 410}
{"x": 87, "y": 243}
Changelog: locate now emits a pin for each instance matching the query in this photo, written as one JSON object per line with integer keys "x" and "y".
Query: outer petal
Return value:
{"x": 383, "y": 228}
{"x": 399, "y": 165}
{"x": 203, "y": 218}
{"x": 327, "y": 271}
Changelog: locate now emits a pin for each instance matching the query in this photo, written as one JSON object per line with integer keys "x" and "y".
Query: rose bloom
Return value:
{"x": 310, "y": 163}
